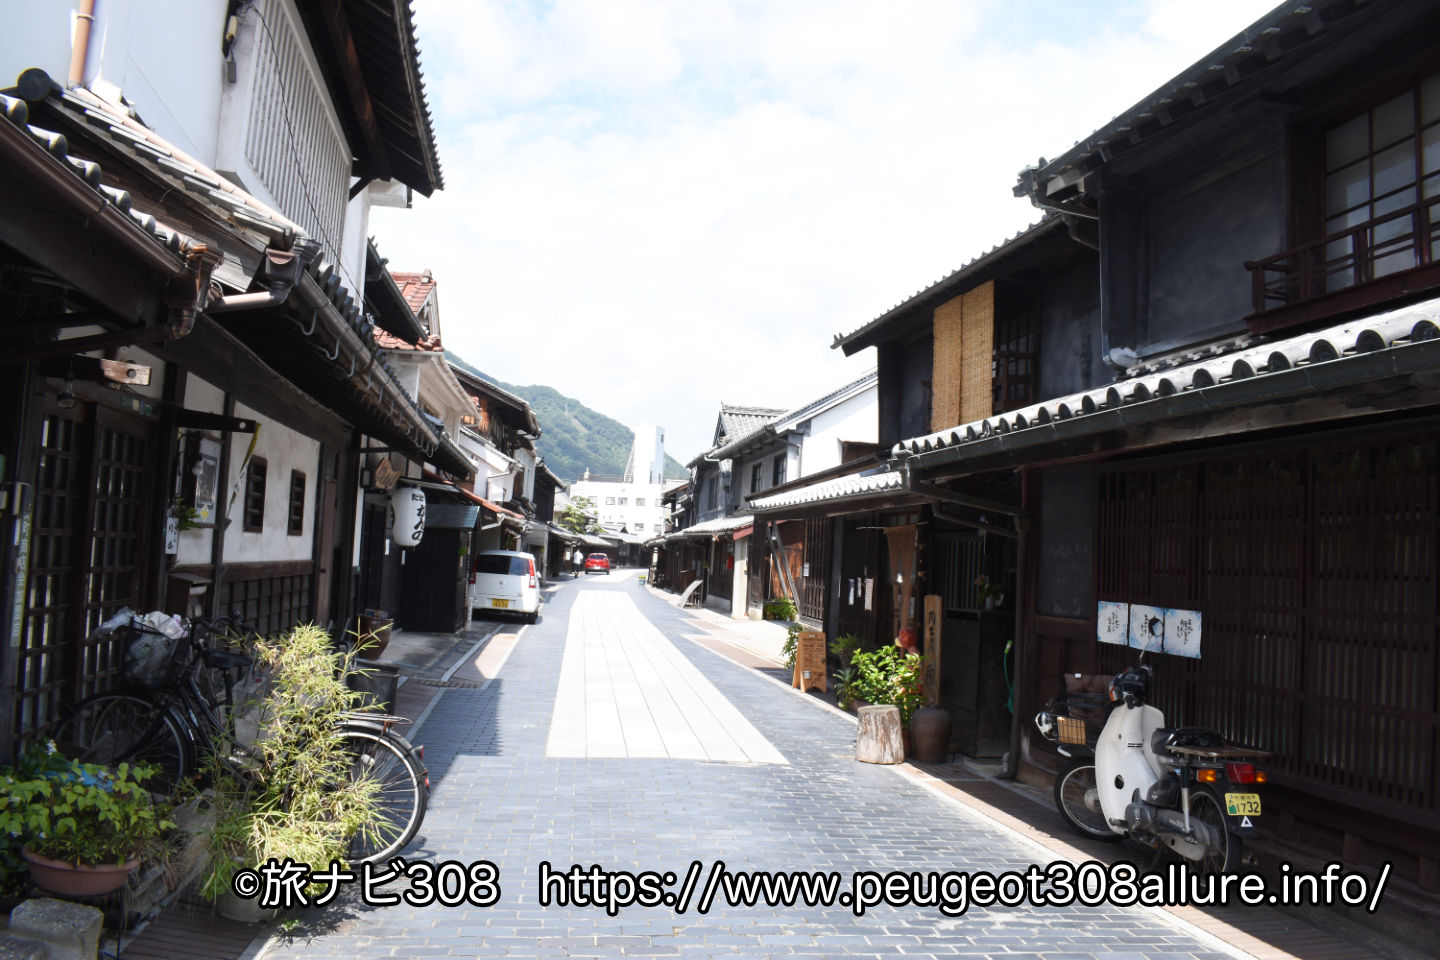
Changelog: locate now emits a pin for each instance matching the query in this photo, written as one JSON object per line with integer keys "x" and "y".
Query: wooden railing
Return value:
{"x": 1403, "y": 240}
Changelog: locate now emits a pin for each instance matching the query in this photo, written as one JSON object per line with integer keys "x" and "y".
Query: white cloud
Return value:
{"x": 655, "y": 207}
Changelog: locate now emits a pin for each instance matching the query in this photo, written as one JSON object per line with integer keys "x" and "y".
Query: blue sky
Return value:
{"x": 657, "y": 206}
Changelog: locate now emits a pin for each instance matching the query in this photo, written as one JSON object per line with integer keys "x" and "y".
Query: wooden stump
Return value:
{"x": 879, "y": 740}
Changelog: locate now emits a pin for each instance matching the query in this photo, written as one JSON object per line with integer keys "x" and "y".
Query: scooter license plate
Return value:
{"x": 500, "y": 603}
{"x": 1242, "y": 804}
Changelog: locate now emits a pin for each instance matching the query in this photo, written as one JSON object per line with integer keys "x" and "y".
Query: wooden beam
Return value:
{"x": 92, "y": 368}
{"x": 343, "y": 41}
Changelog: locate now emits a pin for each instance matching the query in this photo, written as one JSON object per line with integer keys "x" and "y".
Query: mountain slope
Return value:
{"x": 574, "y": 438}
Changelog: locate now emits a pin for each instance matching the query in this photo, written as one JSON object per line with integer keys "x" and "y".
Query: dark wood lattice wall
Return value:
{"x": 1316, "y": 572}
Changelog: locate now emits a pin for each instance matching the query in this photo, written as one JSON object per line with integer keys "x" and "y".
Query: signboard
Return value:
{"x": 1149, "y": 628}
{"x": 385, "y": 474}
{"x": 810, "y": 661}
{"x": 934, "y": 613}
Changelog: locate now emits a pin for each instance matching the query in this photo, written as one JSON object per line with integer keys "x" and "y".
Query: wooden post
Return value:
{"x": 934, "y": 613}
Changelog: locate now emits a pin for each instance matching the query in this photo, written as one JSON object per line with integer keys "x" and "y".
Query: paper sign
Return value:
{"x": 1182, "y": 633}
{"x": 1147, "y": 628}
{"x": 1112, "y": 623}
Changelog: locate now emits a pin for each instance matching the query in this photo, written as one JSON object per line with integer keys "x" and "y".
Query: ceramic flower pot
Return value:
{"x": 76, "y": 880}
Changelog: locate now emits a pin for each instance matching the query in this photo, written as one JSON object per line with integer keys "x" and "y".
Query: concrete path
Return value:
{"x": 501, "y": 794}
{"x": 627, "y": 691}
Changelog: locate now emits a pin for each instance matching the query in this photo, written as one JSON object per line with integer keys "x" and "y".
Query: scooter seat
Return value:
{"x": 1195, "y": 738}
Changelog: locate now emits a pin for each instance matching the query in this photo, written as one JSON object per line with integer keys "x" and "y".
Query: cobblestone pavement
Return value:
{"x": 497, "y": 796}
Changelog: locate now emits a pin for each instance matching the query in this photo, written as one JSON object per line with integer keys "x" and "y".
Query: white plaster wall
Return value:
{"x": 855, "y": 419}
{"x": 526, "y": 459}
{"x": 162, "y": 55}
{"x": 195, "y": 544}
{"x": 284, "y": 450}
{"x": 612, "y": 516}
{"x": 37, "y": 34}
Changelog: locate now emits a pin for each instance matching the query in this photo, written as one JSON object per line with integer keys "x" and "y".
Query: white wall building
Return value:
{"x": 631, "y": 503}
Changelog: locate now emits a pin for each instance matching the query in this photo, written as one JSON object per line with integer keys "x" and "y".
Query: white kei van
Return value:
{"x": 506, "y": 581}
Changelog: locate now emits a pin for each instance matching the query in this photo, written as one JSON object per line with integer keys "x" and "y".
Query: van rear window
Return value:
{"x": 512, "y": 566}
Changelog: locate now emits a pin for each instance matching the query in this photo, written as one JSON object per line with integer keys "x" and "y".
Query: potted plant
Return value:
{"x": 298, "y": 798}
{"x": 890, "y": 675}
{"x": 83, "y": 827}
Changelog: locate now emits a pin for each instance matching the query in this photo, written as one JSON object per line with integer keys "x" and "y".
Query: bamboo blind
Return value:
{"x": 945, "y": 379}
{"x": 976, "y": 399}
{"x": 963, "y": 357}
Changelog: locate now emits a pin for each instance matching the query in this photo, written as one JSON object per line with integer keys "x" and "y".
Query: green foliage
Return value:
{"x": 185, "y": 515}
{"x": 844, "y": 647}
{"x": 579, "y": 516}
{"x": 781, "y": 608}
{"x": 791, "y": 647}
{"x": 574, "y": 438}
{"x": 298, "y": 800}
{"x": 890, "y": 675}
{"x": 79, "y": 812}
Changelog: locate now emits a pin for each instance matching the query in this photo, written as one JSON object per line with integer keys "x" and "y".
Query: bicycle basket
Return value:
{"x": 152, "y": 660}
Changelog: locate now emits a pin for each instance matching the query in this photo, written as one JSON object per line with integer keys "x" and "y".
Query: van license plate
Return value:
{"x": 505, "y": 603}
{"x": 1242, "y": 804}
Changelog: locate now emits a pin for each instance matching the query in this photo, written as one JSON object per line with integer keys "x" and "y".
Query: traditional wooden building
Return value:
{"x": 189, "y": 367}
{"x": 1252, "y": 432}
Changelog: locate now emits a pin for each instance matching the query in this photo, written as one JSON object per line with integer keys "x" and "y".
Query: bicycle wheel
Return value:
{"x": 391, "y": 762}
{"x": 113, "y": 728}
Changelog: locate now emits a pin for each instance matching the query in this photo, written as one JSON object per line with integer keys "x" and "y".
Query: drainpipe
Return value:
{"x": 80, "y": 47}
{"x": 1020, "y": 517}
{"x": 279, "y": 271}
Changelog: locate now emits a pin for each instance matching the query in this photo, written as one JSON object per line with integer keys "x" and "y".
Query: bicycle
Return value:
{"x": 164, "y": 715}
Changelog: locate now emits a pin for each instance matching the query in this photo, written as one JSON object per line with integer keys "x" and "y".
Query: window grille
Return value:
{"x": 255, "y": 495}
{"x": 295, "y": 524}
{"x": 292, "y": 142}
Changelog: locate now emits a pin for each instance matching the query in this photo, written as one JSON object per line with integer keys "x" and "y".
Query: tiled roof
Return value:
{"x": 390, "y": 342}
{"x": 384, "y": 301}
{"x": 1286, "y": 34}
{"x": 829, "y": 491}
{"x": 379, "y": 38}
{"x": 1188, "y": 382}
{"x": 161, "y": 161}
{"x": 415, "y": 287}
{"x": 714, "y": 528}
{"x": 949, "y": 285}
{"x": 738, "y": 422}
{"x": 735, "y": 424}
{"x": 789, "y": 419}
{"x": 379, "y": 404}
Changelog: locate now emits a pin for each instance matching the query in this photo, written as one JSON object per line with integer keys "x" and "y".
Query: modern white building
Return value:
{"x": 630, "y": 504}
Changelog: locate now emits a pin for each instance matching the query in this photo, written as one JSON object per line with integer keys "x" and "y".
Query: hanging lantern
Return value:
{"x": 407, "y": 515}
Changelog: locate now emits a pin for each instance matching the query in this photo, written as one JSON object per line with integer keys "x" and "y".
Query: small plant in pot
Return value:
{"x": 890, "y": 675}
{"x": 83, "y": 827}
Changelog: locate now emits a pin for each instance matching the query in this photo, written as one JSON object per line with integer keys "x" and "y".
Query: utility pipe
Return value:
{"x": 80, "y": 45}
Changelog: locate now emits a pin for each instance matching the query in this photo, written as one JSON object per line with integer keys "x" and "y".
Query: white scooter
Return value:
{"x": 1179, "y": 789}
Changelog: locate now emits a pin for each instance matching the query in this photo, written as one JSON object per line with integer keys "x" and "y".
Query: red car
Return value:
{"x": 597, "y": 561}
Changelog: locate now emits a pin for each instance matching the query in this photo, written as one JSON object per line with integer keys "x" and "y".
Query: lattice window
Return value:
{"x": 295, "y": 522}
{"x": 1012, "y": 372}
{"x": 815, "y": 572}
{"x": 254, "y": 510}
{"x": 87, "y": 532}
{"x": 293, "y": 143}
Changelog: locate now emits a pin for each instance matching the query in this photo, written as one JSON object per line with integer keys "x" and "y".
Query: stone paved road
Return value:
{"x": 498, "y": 796}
